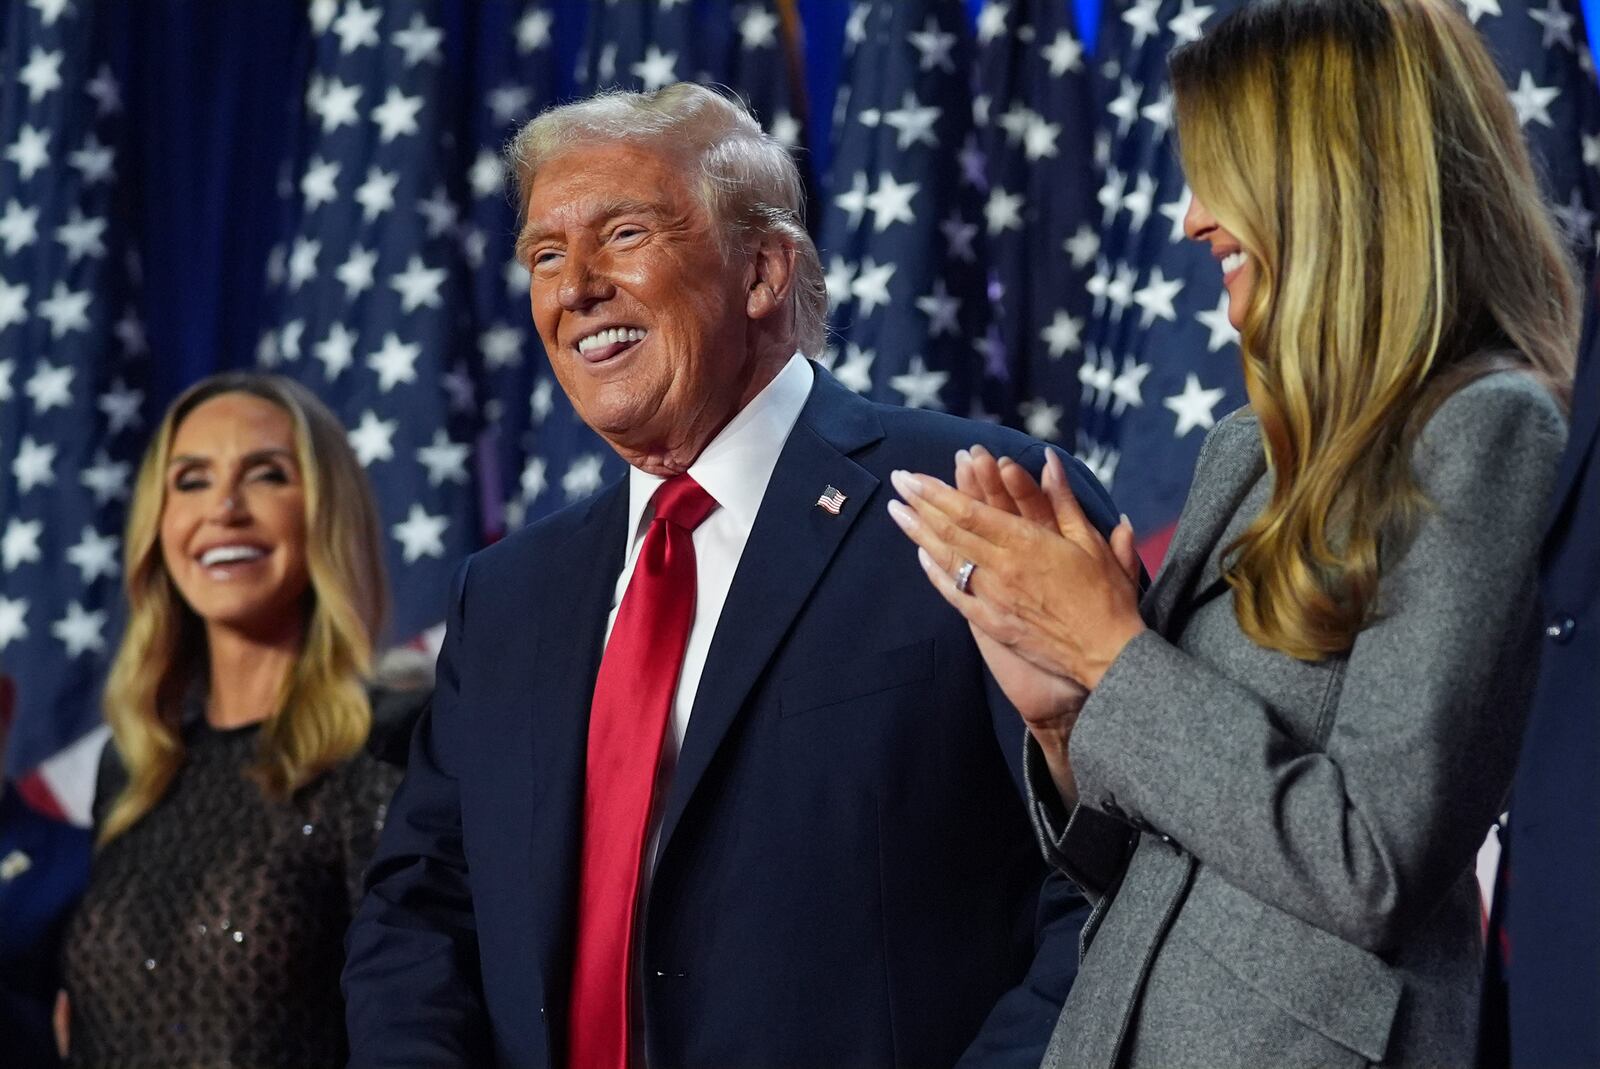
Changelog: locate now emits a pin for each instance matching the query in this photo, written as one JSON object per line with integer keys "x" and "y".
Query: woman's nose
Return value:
{"x": 1198, "y": 220}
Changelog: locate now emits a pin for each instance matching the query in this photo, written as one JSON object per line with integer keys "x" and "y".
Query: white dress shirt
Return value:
{"x": 734, "y": 469}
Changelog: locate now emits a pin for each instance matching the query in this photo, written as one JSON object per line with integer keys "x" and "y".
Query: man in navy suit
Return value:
{"x": 1542, "y": 997}
{"x": 835, "y": 866}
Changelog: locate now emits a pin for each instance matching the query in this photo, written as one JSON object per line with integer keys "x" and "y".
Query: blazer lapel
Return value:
{"x": 788, "y": 550}
{"x": 1213, "y": 499}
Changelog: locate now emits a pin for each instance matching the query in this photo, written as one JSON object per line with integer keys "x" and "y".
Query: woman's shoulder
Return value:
{"x": 1509, "y": 415}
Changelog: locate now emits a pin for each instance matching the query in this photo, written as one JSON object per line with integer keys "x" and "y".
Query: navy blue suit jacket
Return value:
{"x": 846, "y": 873}
{"x": 1552, "y": 888}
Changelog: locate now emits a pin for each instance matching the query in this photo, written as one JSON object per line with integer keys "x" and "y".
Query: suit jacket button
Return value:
{"x": 1560, "y": 629}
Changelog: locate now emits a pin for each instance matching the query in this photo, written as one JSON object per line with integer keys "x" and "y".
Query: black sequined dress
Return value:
{"x": 212, "y": 932}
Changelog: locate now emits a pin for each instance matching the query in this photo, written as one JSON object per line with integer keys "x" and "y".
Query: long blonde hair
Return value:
{"x": 323, "y": 714}
{"x": 1366, "y": 156}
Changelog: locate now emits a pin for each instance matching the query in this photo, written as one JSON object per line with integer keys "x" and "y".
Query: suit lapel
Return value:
{"x": 572, "y": 599}
{"x": 788, "y": 550}
{"x": 1213, "y": 499}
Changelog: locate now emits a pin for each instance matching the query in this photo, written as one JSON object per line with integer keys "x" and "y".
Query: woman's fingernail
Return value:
{"x": 963, "y": 457}
{"x": 1123, "y": 521}
{"x": 979, "y": 451}
{"x": 925, "y": 559}
{"x": 903, "y": 516}
{"x": 906, "y": 483}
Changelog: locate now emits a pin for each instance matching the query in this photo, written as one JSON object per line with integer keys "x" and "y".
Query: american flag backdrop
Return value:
{"x": 369, "y": 299}
{"x": 1035, "y": 116}
{"x": 514, "y": 79}
{"x": 905, "y": 221}
{"x": 73, "y": 381}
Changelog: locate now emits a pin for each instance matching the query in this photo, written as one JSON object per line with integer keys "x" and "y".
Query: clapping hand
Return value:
{"x": 1050, "y": 601}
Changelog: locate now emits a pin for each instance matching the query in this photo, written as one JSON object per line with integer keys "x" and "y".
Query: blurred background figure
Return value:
{"x": 237, "y": 805}
{"x": 1542, "y": 994}
{"x": 43, "y": 866}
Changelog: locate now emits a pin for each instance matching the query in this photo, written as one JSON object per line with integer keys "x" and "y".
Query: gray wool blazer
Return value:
{"x": 1280, "y": 853}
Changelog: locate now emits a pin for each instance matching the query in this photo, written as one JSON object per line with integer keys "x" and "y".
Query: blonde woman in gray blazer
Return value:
{"x": 1271, "y": 773}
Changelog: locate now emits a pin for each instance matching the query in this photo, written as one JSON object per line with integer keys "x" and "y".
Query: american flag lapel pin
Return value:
{"x": 831, "y": 501}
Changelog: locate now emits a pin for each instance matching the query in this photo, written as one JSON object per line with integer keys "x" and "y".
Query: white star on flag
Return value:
{"x": 20, "y": 543}
{"x": 445, "y": 460}
{"x": 419, "y": 42}
{"x": 335, "y": 104}
{"x": 96, "y": 162}
{"x": 933, "y": 46}
{"x": 920, "y": 386}
{"x": 397, "y": 115}
{"x": 870, "y": 287}
{"x": 319, "y": 185}
{"x": 583, "y": 477}
{"x": 1064, "y": 54}
{"x": 373, "y": 440}
{"x": 1064, "y": 334}
{"x": 656, "y": 70}
{"x": 67, "y": 310}
{"x": 941, "y": 309}
{"x": 336, "y": 351}
{"x": 13, "y": 307}
{"x": 357, "y": 27}
{"x": 856, "y": 371}
{"x": 1193, "y": 406}
{"x": 41, "y": 74}
{"x": 106, "y": 479}
{"x": 121, "y": 406}
{"x": 94, "y": 555}
{"x": 376, "y": 194}
{"x": 1156, "y": 298}
{"x": 1533, "y": 101}
{"x": 50, "y": 386}
{"x": 395, "y": 362}
{"x": 913, "y": 122}
{"x": 19, "y": 227}
{"x": 34, "y": 464}
{"x": 13, "y": 620}
{"x": 356, "y": 273}
{"x": 418, "y": 285}
{"x": 30, "y": 151}
{"x": 79, "y": 630}
{"x": 890, "y": 203}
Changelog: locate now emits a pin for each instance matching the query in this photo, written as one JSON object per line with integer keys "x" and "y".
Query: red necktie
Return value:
{"x": 632, "y": 699}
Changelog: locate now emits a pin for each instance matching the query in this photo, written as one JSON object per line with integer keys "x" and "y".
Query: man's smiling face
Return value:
{"x": 643, "y": 317}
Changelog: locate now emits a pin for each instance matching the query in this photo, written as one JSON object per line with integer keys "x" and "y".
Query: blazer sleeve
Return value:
{"x": 411, "y": 981}
{"x": 1365, "y": 835}
{"x": 1017, "y": 1031}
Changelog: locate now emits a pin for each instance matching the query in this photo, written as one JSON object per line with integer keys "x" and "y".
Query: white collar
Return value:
{"x": 736, "y": 465}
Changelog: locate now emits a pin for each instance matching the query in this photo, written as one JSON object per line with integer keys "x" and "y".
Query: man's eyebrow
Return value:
{"x": 534, "y": 233}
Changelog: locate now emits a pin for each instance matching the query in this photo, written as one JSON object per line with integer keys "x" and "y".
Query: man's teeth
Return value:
{"x": 229, "y": 554}
{"x": 1233, "y": 261}
{"x": 610, "y": 337}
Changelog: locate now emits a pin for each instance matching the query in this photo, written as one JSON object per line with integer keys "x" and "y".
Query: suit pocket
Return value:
{"x": 832, "y": 681}
{"x": 1334, "y": 987}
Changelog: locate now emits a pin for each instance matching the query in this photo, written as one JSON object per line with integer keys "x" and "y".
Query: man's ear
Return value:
{"x": 771, "y": 277}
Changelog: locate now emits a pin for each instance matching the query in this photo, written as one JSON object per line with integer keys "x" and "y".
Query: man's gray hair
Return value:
{"x": 748, "y": 182}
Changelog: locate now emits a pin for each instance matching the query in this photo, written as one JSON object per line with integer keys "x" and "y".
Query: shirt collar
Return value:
{"x": 738, "y": 463}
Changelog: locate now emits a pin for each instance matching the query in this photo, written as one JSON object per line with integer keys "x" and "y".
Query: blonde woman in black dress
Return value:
{"x": 237, "y": 805}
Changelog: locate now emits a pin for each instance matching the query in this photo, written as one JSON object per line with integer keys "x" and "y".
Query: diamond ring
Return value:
{"x": 964, "y": 575}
